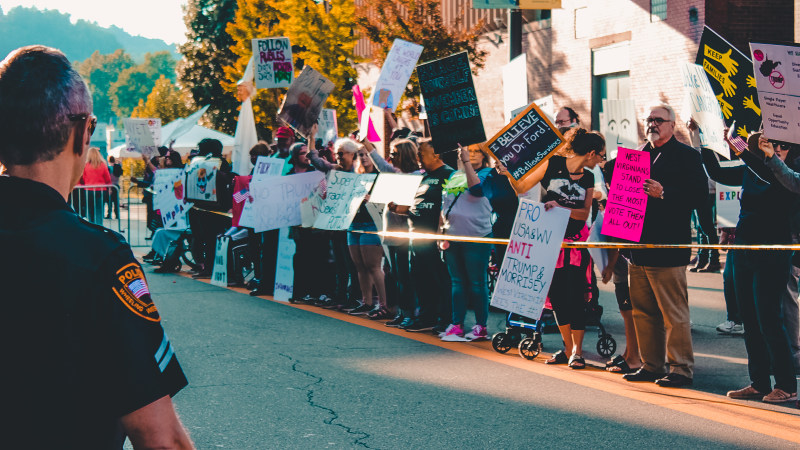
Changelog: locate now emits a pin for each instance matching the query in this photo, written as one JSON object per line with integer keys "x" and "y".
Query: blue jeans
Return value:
{"x": 467, "y": 263}
{"x": 730, "y": 291}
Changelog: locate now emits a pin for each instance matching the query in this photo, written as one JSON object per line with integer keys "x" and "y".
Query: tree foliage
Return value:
{"x": 206, "y": 52}
{"x": 135, "y": 83}
{"x": 165, "y": 102}
{"x": 100, "y": 72}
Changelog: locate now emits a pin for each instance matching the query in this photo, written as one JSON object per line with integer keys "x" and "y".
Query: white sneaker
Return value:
{"x": 478, "y": 333}
{"x": 737, "y": 330}
{"x": 454, "y": 333}
{"x": 730, "y": 327}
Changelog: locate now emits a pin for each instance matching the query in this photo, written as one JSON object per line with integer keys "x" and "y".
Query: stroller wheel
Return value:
{"x": 606, "y": 346}
{"x": 501, "y": 342}
{"x": 529, "y": 348}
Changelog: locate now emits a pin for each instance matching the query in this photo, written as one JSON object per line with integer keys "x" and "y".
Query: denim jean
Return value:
{"x": 467, "y": 263}
{"x": 730, "y": 291}
{"x": 431, "y": 281}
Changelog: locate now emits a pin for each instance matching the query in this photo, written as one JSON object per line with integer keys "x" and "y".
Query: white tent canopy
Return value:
{"x": 185, "y": 142}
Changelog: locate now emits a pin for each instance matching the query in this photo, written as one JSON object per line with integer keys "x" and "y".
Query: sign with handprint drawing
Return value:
{"x": 777, "y": 73}
{"x": 702, "y": 106}
{"x": 730, "y": 73}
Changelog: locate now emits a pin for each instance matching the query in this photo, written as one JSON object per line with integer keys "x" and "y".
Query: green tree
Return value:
{"x": 165, "y": 102}
{"x": 100, "y": 72}
{"x": 135, "y": 83}
{"x": 206, "y": 52}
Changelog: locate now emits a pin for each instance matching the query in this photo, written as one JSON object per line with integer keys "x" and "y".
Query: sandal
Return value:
{"x": 558, "y": 357}
{"x": 620, "y": 366}
{"x": 379, "y": 314}
{"x": 615, "y": 361}
{"x": 577, "y": 362}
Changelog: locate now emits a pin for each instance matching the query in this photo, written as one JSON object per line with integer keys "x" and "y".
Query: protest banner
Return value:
{"x": 395, "y": 73}
{"x": 730, "y": 73}
{"x": 777, "y": 74}
{"x": 727, "y": 200}
{"x": 303, "y": 102}
{"x": 395, "y": 187}
{"x": 219, "y": 275}
{"x": 273, "y": 58}
{"x": 267, "y": 166}
{"x": 530, "y": 260}
{"x": 345, "y": 192}
{"x": 201, "y": 179}
{"x": 451, "y": 102}
{"x": 700, "y": 103}
{"x": 529, "y": 140}
{"x": 545, "y": 104}
{"x": 310, "y": 206}
{"x": 284, "y": 267}
{"x": 627, "y": 202}
{"x": 328, "y": 126}
{"x": 143, "y": 136}
{"x": 276, "y": 201}
{"x": 241, "y": 196}
{"x": 169, "y": 197}
{"x": 515, "y": 87}
{"x": 618, "y": 125}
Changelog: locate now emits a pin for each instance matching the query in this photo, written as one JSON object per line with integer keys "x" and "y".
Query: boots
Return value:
{"x": 702, "y": 262}
{"x": 713, "y": 265}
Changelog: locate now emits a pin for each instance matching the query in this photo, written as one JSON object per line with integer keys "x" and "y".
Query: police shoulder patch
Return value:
{"x": 131, "y": 288}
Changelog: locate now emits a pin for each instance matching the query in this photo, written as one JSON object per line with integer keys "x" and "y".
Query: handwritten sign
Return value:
{"x": 201, "y": 179}
{"x": 529, "y": 140}
{"x": 627, "y": 202}
{"x": 273, "y": 58}
{"x": 303, "y": 102}
{"x": 284, "y": 267}
{"x": 777, "y": 74}
{"x": 345, "y": 193}
{"x": 728, "y": 200}
{"x": 701, "y": 104}
{"x": 395, "y": 73}
{"x": 267, "y": 166}
{"x": 530, "y": 260}
{"x": 311, "y": 206}
{"x": 219, "y": 275}
{"x": 618, "y": 125}
{"x": 451, "y": 102}
{"x": 169, "y": 198}
{"x": 328, "y": 126}
{"x": 276, "y": 201}
{"x": 143, "y": 135}
{"x": 395, "y": 187}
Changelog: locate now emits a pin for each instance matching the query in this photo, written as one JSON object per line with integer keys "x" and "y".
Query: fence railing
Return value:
{"x": 98, "y": 204}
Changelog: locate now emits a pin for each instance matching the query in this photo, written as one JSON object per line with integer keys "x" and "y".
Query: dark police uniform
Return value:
{"x": 82, "y": 340}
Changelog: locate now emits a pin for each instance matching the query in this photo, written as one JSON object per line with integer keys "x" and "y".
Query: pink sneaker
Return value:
{"x": 478, "y": 333}
{"x": 454, "y": 333}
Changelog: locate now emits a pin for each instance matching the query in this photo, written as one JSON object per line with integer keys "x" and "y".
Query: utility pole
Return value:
{"x": 514, "y": 33}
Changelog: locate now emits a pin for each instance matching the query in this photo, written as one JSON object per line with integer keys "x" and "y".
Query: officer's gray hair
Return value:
{"x": 39, "y": 89}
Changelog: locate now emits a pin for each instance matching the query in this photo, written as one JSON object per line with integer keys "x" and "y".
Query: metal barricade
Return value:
{"x": 98, "y": 204}
{"x": 139, "y": 215}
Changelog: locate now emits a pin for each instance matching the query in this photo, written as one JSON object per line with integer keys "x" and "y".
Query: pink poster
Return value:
{"x": 372, "y": 135}
{"x": 627, "y": 202}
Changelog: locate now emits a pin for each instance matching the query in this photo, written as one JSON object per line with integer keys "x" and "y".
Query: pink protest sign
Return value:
{"x": 627, "y": 202}
{"x": 372, "y": 135}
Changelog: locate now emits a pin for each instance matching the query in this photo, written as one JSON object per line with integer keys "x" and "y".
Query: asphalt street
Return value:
{"x": 266, "y": 374}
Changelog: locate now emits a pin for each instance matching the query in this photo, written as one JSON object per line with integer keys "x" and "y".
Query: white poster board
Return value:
{"x": 201, "y": 179}
{"x": 328, "y": 126}
{"x": 284, "y": 268}
{"x": 267, "y": 166}
{"x": 169, "y": 197}
{"x": 529, "y": 264}
{"x": 395, "y": 73}
{"x": 276, "y": 201}
{"x": 273, "y": 62}
{"x": 219, "y": 276}
{"x": 775, "y": 67}
{"x": 345, "y": 192}
{"x": 311, "y": 206}
{"x": 515, "y": 86}
{"x": 618, "y": 125}
{"x": 395, "y": 187}
{"x": 546, "y": 104}
{"x": 143, "y": 136}
{"x": 700, "y": 103}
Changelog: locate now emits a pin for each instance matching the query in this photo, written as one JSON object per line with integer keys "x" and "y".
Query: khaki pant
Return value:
{"x": 661, "y": 317}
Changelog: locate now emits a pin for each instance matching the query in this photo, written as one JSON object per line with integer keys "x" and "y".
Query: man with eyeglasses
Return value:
{"x": 567, "y": 118}
{"x": 658, "y": 289}
{"x": 88, "y": 362}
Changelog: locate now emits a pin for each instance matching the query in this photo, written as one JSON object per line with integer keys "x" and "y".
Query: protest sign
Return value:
{"x": 451, "y": 102}
{"x": 730, "y": 73}
{"x": 143, "y": 136}
{"x": 599, "y": 255}
{"x": 395, "y": 187}
{"x": 526, "y": 142}
{"x": 365, "y": 121}
{"x": 395, "y": 73}
{"x": 219, "y": 275}
{"x": 267, "y": 166}
{"x": 273, "y": 58}
{"x": 310, "y": 206}
{"x": 727, "y": 200}
{"x": 515, "y": 87}
{"x": 627, "y": 202}
{"x": 777, "y": 74}
{"x": 618, "y": 125}
{"x": 241, "y": 196}
{"x": 345, "y": 192}
{"x": 284, "y": 267}
{"x": 701, "y": 104}
{"x": 328, "y": 126}
{"x": 545, "y": 104}
{"x": 201, "y": 179}
{"x": 169, "y": 197}
{"x": 530, "y": 260}
{"x": 303, "y": 102}
{"x": 276, "y": 201}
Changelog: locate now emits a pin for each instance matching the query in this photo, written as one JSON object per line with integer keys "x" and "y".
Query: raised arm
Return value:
{"x": 377, "y": 159}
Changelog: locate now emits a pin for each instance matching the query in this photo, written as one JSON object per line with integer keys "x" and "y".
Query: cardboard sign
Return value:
{"x": 730, "y": 73}
{"x": 276, "y": 201}
{"x": 529, "y": 140}
{"x": 345, "y": 192}
{"x": 627, "y": 202}
{"x": 728, "y": 200}
{"x": 219, "y": 275}
{"x": 395, "y": 73}
{"x": 451, "y": 102}
{"x": 304, "y": 100}
{"x": 284, "y": 267}
{"x": 267, "y": 166}
{"x": 618, "y": 125}
{"x": 169, "y": 197}
{"x": 530, "y": 260}
{"x": 311, "y": 206}
{"x": 273, "y": 58}
{"x": 545, "y": 104}
{"x": 201, "y": 179}
{"x": 395, "y": 187}
{"x": 328, "y": 126}
{"x": 777, "y": 73}
{"x": 515, "y": 87}
{"x": 143, "y": 136}
{"x": 701, "y": 104}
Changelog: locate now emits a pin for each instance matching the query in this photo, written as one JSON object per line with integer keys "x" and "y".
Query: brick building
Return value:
{"x": 589, "y": 51}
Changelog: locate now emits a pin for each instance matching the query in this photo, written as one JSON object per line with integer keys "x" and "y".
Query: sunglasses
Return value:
{"x": 81, "y": 117}
{"x": 656, "y": 120}
{"x": 782, "y": 145}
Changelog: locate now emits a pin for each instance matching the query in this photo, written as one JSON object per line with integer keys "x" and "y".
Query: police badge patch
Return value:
{"x": 130, "y": 287}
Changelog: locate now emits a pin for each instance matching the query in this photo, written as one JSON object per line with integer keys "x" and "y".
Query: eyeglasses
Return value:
{"x": 601, "y": 155}
{"x": 656, "y": 120}
{"x": 81, "y": 117}
{"x": 563, "y": 122}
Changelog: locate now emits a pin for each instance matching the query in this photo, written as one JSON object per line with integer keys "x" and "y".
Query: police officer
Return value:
{"x": 86, "y": 361}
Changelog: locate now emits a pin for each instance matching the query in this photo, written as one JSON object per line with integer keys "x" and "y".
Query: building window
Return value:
{"x": 658, "y": 10}
{"x": 540, "y": 17}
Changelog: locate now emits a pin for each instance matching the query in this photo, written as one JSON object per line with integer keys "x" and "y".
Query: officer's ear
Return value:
{"x": 79, "y": 136}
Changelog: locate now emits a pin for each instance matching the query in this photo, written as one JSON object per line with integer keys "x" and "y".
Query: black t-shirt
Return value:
{"x": 84, "y": 342}
{"x": 559, "y": 185}
{"x": 428, "y": 204}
